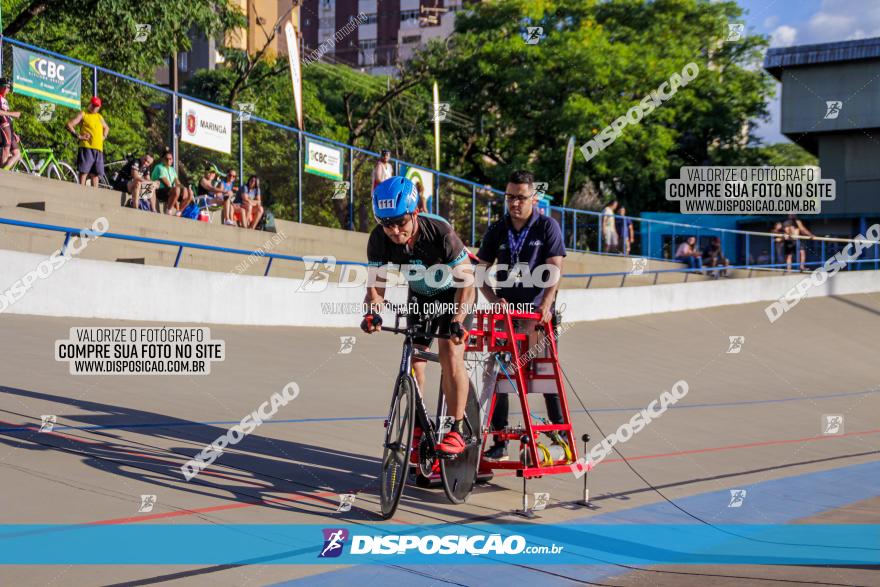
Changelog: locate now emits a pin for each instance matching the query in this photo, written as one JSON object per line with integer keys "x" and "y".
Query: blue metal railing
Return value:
{"x": 181, "y": 245}
{"x": 352, "y": 149}
{"x": 705, "y": 271}
{"x": 815, "y": 246}
{"x": 644, "y": 246}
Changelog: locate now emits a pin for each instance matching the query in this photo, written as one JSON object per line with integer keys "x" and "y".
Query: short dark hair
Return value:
{"x": 521, "y": 176}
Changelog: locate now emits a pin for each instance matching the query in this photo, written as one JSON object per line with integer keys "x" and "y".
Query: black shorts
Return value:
{"x": 120, "y": 184}
{"x": 422, "y": 305}
{"x": 162, "y": 194}
{"x": 788, "y": 247}
{"x": 7, "y": 138}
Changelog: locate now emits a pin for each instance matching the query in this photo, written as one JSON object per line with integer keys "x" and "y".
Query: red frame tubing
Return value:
{"x": 506, "y": 340}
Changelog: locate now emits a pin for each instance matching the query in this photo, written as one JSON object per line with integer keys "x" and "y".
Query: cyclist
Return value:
{"x": 406, "y": 237}
{"x": 9, "y": 148}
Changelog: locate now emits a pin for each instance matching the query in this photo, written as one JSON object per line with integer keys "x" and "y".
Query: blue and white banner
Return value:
{"x": 353, "y": 544}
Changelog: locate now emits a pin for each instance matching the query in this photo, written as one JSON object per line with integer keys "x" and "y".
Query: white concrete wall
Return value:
{"x": 102, "y": 289}
{"x": 603, "y": 304}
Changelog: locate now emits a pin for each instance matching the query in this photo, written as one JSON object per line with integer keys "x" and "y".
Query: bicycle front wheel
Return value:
{"x": 67, "y": 172}
{"x": 57, "y": 171}
{"x": 398, "y": 442}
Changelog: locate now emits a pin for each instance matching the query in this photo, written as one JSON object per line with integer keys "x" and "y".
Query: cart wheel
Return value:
{"x": 460, "y": 473}
{"x": 485, "y": 478}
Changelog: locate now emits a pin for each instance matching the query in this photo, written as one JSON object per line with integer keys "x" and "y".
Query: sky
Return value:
{"x": 804, "y": 22}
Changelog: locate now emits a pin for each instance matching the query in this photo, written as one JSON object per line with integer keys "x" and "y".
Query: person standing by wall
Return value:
{"x": 609, "y": 230}
{"x": 383, "y": 169}
{"x": 526, "y": 237}
{"x": 625, "y": 231}
{"x": 796, "y": 231}
{"x": 91, "y": 137}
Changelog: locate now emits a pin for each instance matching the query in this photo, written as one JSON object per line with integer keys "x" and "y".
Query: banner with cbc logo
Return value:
{"x": 324, "y": 160}
{"x": 46, "y": 78}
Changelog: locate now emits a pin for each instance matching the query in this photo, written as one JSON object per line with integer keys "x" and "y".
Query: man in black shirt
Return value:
{"x": 134, "y": 179}
{"x": 525, "y": 237}
{"x": 405, "y": 237}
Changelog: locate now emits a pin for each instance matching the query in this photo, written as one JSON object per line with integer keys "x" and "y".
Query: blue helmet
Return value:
{"x": 394, "y": 197}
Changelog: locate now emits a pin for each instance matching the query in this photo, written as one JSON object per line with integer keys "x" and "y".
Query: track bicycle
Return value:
{"x": 409, "y": 419}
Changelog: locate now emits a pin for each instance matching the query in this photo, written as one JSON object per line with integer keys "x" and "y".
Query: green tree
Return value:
{"x": 784, "y": 154}
{"x": 595, "y": 61}
{"x": 103, "y": 32}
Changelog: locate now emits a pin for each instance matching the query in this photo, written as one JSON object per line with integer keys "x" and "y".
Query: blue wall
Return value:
{"x": 654, "y": 246}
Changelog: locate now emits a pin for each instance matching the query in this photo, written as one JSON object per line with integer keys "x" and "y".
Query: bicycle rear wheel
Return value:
{"x": 460, "y": 473}
{"x": 21, "y": 167}
{"x": 398, "y": 442}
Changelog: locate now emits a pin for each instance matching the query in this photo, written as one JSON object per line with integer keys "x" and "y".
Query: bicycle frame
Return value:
{"x": 46, "y": 161}
{"x": 423, "y": 420}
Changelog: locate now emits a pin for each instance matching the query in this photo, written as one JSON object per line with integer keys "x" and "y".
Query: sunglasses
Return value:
{"x": 399, "y": 222}
{"x": 517, "y": 198}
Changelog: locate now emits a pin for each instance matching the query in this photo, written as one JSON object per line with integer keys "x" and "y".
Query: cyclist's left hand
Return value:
{"x": 457, "y": 332}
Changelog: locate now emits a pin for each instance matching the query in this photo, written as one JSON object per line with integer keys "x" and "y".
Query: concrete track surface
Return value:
{"x": 750, "y": 420}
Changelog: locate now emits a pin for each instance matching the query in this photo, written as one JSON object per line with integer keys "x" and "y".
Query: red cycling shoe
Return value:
{"x": 452, "y": 444}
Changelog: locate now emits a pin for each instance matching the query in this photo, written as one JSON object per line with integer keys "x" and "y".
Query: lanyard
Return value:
{"x": 516, "y": 242}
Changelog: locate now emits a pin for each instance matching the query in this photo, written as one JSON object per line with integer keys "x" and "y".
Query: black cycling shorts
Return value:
{"x": 422, "y": 304}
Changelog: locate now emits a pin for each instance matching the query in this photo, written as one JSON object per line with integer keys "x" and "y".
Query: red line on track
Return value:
{"x": 318, "y": 496}
{"x": 216, "y": 508}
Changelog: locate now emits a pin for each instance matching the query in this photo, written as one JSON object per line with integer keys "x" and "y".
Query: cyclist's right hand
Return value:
{"x": 372, "y": 322}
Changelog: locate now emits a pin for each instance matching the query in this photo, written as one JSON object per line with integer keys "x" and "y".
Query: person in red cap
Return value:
{"x": 91, "y": 135}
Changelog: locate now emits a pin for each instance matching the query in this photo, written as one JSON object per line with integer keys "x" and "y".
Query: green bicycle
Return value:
{"x": 42, "y": 162}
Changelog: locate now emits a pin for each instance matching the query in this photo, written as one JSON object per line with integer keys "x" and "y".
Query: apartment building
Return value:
{"x": 390, "y": 32}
